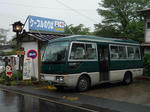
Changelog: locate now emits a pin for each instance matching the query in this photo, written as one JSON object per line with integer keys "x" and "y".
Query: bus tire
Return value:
{"x": 83, "y": 83}
{"x": 127, "y": 78}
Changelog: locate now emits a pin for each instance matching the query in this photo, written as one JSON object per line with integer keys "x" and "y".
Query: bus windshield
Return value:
{"x": 55, "y": 52}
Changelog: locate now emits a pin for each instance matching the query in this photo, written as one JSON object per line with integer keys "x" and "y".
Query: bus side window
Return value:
{"x": 137, "y": 53}
{"x": 122, "y": 52}
{"x": 130, "y": 53}
{"x": 72, "y": 54}
{"x": 90, "y": 51}
{"x": 114, "y": 52}
{"x": 77, "y": 51}
{"x": 80, "y": 51}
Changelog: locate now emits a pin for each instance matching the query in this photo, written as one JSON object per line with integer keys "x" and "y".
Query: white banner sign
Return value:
{"x": 27, "y": 69}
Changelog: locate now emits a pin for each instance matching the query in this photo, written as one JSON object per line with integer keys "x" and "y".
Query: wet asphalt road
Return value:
{"x": 101, "y": 98}
{"x": 12, "y": 102}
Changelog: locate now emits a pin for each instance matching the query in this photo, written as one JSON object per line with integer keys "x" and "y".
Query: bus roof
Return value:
{"x": 94, "y": 39}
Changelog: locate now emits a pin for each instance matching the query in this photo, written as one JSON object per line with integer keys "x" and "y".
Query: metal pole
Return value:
{"x": 18, "y": 48}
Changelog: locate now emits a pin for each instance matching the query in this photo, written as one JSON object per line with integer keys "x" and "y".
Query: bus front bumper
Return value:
{"x": 69, "y": 80}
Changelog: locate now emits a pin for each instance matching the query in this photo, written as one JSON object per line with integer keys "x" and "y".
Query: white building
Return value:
{"x": 146, "y": 44}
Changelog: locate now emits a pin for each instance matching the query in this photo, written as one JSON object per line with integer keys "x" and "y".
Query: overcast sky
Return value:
{"x": 71, "y": 11}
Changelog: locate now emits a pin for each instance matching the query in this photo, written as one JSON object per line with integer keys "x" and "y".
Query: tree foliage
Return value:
{"x": 121, "y": 18}
{"x": 13, "y": 42}
{"x": 146, "y": 64}
{"x": 3, "y": 36}
{"x": 79, "y": 29}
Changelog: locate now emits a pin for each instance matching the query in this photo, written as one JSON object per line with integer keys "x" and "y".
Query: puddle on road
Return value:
{"x": 12, "y": 102}
{"x": 138, "y": 92}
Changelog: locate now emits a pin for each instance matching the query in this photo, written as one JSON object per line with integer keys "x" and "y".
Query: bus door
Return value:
{"x": 103, "y": 62}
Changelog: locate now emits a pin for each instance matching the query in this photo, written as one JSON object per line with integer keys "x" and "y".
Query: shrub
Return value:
{"x": 3, "y": 76}
{"x": 14, "y": 76}
{"x": 27, "y": 82}
{"x": 146, "y": 64}
{"x": 17, "y": 74}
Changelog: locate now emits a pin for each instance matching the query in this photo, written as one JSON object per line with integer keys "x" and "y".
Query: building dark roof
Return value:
{"x": 144, "y": 10}
{"x": 42, "y": 36}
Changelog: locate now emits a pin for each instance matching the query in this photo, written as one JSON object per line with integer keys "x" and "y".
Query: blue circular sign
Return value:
{"x": 32, "y": 53}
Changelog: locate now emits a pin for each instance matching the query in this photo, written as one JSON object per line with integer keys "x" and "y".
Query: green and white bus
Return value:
{"x": 83, "y": 61}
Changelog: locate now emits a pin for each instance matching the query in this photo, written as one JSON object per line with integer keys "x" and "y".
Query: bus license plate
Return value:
{"x": 49, "y": 78}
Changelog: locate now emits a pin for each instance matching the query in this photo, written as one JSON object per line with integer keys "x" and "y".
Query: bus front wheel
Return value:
{"x": 83, "y": 84}
{"x": 127, "y": 78}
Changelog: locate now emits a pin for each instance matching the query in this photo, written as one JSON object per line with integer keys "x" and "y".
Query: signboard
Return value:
{"x": 45, "y": 24}
{"x": 27, "y": 69}
{"x": 32, "y": 53}
{"x": 9, "y": 71}
{"x": 20, "y": 52}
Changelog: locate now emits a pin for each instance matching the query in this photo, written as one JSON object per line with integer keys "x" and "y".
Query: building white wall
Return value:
{"x": 28, "y": 46}
{"x": 147, "y": 36}
{"x": 147, "y": 31}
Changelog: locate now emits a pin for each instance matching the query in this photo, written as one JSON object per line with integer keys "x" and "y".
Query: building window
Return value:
{"x": 148, "y": 25}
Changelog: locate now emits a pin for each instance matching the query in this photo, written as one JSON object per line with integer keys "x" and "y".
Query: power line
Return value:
{"x": 31, "y": 6}
{"x": 83, "y": 15}
{"x": 68, "y": 7}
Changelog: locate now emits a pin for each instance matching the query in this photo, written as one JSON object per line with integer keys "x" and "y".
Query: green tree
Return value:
{"x": 79, "y": 29}
{"x": 13, "y": 42}
{"x": 105, "y": 31}
{"x": 121, "y": 18}
{"x": 3, "y": 36}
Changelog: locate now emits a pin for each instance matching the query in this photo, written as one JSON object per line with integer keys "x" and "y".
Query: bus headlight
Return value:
{"x": 42, "y": 77}
{"x": 60, "y": 78}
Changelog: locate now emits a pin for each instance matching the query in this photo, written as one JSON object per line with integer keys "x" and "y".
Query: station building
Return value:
{"x": 35, "y": 43}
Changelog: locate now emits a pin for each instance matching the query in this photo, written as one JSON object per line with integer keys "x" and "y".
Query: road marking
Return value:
{"x": 46, "y": 87}
{"x": 49, "y": 100}
{"x": 71, "y": 98}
